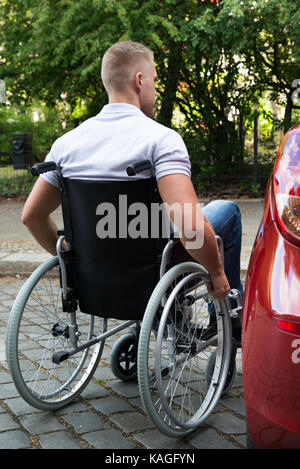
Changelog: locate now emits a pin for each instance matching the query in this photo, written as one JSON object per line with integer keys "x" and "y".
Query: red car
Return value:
{"x": 271, "y": 310}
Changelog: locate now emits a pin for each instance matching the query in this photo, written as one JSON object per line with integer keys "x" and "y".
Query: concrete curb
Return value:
{"x": 20, "y": 263}
{"x": 24, "y": 264}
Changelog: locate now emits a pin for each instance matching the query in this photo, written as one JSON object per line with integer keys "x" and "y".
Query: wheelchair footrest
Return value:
{"x": 59, "y": 357}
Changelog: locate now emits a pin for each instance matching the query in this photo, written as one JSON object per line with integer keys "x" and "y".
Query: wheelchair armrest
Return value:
{"x": 40, "y": 168}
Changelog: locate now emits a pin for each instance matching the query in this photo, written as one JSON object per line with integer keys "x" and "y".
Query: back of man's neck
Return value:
{"x": 124, "y": 100}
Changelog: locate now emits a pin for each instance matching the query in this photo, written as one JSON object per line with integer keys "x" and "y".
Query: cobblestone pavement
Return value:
{"x": 108, "y": 414}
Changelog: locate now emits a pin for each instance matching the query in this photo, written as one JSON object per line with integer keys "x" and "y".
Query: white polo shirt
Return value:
{"x": 103, "y": 146}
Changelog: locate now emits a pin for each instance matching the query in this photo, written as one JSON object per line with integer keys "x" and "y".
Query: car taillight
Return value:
{"x": 288, "y": 326}
{"x": 287, "y": 186}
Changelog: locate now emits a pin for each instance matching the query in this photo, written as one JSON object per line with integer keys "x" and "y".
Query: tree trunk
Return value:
{"x": 171, "y": 83}
{"x": 241, "y": 137}
{"x": 288, "y": 113}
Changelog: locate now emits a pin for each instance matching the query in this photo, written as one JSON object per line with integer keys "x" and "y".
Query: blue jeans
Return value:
{"x": 225, "y": 218}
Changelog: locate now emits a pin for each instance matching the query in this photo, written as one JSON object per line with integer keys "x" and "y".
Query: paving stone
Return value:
{"x": 94, "y": 390}
{"x": 208, "y": 438}
{"x": 3, "y": 328}
{"x": 3, "y": 295}
{"x": 236, "y": 404}
{"x": 7, "y": 423}
{"x": 76, "y": 406}
{"x": 104, "y": 373}
{"x": 238, "y": 381}
{"x": 85, "y": 422}
{"x": 14, "y": 440}
{"x": 40, "y": 423}
{"x": 111, "y": 405}
{"x": 11, "y": 289}
{"x": 8, "y": 303}
{"x": 20, "y": 407}
{"x": 59, "y": 440}
{"x": 106, "y": 354}
{"x": 227, "y": 423}
{"x": 126, "y": 389}
{"x": 137, "y": 401}
{"x": 2, "y": 345}
{"x": 5, "y": 377}
{"x": 8, "y": 390}
{"x": 242, "y": 439}
{"x": 131, "y": 421}
{"x": 153, "y": 439}
{"x": 108, "y": 439}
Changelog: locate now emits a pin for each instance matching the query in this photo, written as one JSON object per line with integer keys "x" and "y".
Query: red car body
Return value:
{"x": 271, "y": 310}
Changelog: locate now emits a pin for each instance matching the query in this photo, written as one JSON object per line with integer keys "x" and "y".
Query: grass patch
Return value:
{"x": 15, "y": 181}
{"x": 9, "y": 172}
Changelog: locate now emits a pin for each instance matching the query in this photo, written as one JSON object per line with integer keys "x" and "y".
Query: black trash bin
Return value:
{"x": 22, "y": 151}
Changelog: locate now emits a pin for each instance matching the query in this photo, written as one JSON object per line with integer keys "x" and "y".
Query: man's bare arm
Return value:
{"x": 42, "y": 201}
{"x": 178, "y": 188}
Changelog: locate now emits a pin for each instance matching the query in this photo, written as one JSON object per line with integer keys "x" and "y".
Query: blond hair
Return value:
{"x": 121, "y": 61}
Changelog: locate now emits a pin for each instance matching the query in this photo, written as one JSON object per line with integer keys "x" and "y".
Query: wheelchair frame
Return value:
{"x": 173, "y": 423}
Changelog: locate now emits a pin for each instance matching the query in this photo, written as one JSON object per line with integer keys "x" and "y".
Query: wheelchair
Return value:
{"x": 179, "y": 345}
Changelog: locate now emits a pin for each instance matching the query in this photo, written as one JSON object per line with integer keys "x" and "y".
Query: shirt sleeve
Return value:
{"x": 171, "y": 156}
{"x": 51, "y": 176}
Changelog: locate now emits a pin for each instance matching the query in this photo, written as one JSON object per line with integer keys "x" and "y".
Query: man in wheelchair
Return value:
{"x": 102, "y": 147}
{"x": 188, "y": 313}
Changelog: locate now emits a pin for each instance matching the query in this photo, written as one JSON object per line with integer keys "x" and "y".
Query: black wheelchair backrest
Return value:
{"x": 112, "y": 273}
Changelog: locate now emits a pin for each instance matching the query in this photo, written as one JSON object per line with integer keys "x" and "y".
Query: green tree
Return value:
{"x": 49, "y": 47}
{"x": 214, "y": 59}
{"x": 266, "y": 34}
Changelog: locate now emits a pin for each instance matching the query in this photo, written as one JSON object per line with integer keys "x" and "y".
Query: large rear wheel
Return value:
{"x": 173, "y": 357}
{"x": 38, "y": 329}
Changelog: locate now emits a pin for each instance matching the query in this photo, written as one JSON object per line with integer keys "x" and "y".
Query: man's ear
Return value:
{"x": 139, "y": 80}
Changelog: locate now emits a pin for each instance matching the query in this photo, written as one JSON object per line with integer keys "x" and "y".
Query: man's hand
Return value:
{"x": 219, "y": 286}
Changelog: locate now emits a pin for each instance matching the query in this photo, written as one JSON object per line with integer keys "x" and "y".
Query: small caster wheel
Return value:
{"x": 123, "y": 360}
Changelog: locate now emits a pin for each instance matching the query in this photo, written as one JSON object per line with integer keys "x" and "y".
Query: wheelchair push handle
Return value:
{"x": 138, "y": 167}
{"x": 40, "y": 168}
